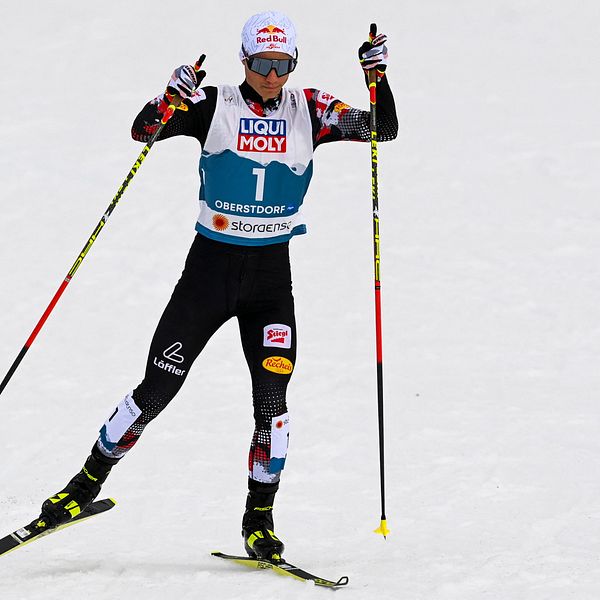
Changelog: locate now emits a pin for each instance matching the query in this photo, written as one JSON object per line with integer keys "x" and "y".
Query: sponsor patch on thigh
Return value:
{"x": 278, "y": 364}
{"x": 277, "y": 335}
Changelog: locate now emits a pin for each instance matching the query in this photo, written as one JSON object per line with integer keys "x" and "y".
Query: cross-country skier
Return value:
{"x": 257, "y": 140}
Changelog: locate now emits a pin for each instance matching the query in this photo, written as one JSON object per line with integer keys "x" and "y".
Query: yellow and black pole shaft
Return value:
{"x": 174, "y": 104}
{"x": 382, "y": 529}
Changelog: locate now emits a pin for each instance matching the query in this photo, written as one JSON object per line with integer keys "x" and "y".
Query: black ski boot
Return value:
{"x": 260, "y": 540}
{"x": 79, "y": 492}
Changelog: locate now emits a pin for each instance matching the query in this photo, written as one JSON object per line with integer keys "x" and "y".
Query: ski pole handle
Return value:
{"x": 175, "y": 99}
{"x": 372, "y": 72}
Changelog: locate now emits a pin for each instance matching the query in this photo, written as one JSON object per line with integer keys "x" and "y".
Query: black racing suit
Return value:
{"x": 252, "y": 283}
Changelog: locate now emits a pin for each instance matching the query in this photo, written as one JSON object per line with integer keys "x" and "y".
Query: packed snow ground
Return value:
{"x": 490, "y": 245}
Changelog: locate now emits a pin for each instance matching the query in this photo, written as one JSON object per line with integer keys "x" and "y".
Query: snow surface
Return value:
{"x": 490, "y": 248}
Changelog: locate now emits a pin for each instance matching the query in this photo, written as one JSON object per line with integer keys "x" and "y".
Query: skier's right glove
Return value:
{"x": 185, "y": 80}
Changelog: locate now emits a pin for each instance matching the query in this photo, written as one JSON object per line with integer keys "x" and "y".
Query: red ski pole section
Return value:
{"x": 89, "y": 243}
{"x": 373, "y": 92}
{"x": 47, "y": 312}
{"x": 378, "y": 335}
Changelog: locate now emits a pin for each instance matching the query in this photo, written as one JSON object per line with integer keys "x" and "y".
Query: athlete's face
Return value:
{"x": 270, "y": 85}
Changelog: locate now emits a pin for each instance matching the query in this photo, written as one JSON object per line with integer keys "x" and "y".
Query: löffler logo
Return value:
{"x": 262, "y": 135}
{"x": 277, "y": 335}
{"x": 171, "y": 352}
{"x": 278, "y": 364}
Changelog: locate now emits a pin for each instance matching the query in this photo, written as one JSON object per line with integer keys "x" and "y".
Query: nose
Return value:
{"x": 272, "y": 77}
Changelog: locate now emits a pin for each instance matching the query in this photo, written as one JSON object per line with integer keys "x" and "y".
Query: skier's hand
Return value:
{"x": 373, "y": 55}
{"x": 186, "y": 79}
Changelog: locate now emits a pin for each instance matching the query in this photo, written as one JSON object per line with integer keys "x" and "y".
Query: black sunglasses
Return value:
{"x": 263, "y": 66}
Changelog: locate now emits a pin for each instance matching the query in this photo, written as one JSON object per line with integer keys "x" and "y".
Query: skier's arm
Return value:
{"x": 192, "y": 118}
{"x": 193, "y": 122}
{"x": 333, "y": 120}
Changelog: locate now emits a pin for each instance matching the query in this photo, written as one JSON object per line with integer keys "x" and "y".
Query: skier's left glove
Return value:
{"x": 373, "y": 55}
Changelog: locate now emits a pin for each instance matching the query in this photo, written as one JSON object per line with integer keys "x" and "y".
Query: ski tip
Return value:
{"x": 382, "y": 529}
{"x": 113, "y": 501}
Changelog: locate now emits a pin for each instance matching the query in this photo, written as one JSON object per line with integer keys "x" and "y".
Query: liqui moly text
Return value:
{"x": 262, "y": 135}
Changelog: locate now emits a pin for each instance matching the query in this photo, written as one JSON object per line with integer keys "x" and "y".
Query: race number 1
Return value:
{"x": 260, "y": 183}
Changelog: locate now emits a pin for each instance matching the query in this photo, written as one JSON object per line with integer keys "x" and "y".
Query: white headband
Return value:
{"x": 268, "y": 31}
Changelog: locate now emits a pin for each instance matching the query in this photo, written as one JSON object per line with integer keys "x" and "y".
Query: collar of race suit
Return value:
{"x": 256, "y": 103}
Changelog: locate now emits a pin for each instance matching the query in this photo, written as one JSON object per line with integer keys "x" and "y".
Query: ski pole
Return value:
{"x": 382, "y": 529}
{"x": 175, "y": 102}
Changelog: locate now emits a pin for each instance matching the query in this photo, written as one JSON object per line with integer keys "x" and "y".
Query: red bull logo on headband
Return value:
{"x": 271, "y": 33}
{"x": 262, "y": 135}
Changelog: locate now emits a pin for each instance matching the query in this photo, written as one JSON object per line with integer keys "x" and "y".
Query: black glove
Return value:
{"x": 373, "y": 55}
{"x": 186, "y": 79}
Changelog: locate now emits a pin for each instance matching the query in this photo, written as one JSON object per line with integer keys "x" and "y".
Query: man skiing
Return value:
{"x": 257, "y": 141}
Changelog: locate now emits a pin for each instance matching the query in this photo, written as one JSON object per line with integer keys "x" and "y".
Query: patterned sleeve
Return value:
{"x": 192, "y": 120}
{"x": 333, "y": 120}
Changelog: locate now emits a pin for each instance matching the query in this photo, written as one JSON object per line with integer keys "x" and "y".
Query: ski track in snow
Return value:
{"x": 490, "y": 253}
